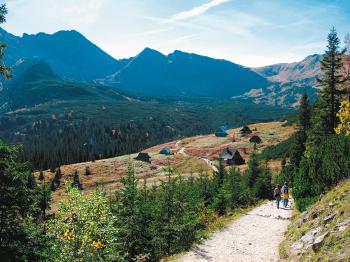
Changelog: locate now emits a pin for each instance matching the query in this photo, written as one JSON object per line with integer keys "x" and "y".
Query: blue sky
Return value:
{"x": 248, "y": 32}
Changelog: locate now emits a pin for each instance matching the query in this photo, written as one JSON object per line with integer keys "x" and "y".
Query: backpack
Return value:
{"x": 276, "y": 192}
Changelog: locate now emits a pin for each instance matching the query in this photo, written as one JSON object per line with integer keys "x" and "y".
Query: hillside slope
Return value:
{"x": 39, "y": 84}
{"x": 288, "y": 82}
{"x": 190, "y": 156}
{"x": 322, "y": 233}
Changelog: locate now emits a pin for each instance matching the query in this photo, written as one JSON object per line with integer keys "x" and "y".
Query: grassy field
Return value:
{"x": 187, "y": 159}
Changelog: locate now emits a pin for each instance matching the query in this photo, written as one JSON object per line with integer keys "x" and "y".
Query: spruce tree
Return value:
{"x": 76, "y": 181}
{"x": 253, "y": 170}
{"x": 129, "y": 217}
{"x": 298, "y": 147}
{"x": 41, "y": 175}
{"x": 331, "y": 64}
{"x": 17, "y": 203}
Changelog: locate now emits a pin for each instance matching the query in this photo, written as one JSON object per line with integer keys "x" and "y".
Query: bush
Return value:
{"x": 83, "y": 229}
{"x": 327, "y": 164}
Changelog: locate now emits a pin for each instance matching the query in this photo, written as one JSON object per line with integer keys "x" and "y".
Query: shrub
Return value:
{"x": 83, "y": 229}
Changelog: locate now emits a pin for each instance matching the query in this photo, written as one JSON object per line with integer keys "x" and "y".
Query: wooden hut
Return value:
{"x": 143, "y": 157}
{"x": 255, "y": 139}
{"x": 231, "y": 157}
{"x": 165, "y": 151}
{"x": 245, "y": 131}
{"x": 221, "y": 132}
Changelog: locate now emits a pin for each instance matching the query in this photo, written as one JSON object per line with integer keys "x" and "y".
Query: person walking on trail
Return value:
{"x": 277, "y": 195}
{"x": 285, "y": 194}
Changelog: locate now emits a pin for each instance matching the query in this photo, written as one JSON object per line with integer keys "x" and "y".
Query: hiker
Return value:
{"x": 277, "y": 195}
{"x": 285, "y": 194}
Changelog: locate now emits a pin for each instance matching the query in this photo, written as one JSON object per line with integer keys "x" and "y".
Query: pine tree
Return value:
{"x": 129, "y": 217}
{"x": 17, "y": 203}
{"x": 44, "y": 199}
{"x": 56, "y": 181}
{"x": 330, "y": 81}
{"x": 298, "y": 147}
{"x": 41, "y": 175}
{"x": 76, "y": 181}
{"x": 253, "y": 170}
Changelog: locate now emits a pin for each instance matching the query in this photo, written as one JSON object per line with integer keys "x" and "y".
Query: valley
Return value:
{"x": 190, "y": 156}
{"x": 139, "y": 135}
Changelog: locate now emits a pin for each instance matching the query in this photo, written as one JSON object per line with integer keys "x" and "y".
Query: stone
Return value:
{"x": 306, "y": 241}
{"x": 341, "y": 227}
{"x": 330, "y": 205}
{"x": 315, "y": 214}
{"x": 317, "y": 244}
{"x": 329, "y": 218}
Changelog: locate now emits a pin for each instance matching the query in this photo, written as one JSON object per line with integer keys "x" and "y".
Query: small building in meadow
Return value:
{"x": 165, "y": 151}
{"x": 245, "y": 131}
{"x": 231, "y": 156}
{"x": 221, "y": 131}
{"x": 255, "y": 139}
{"x": 143, "y": 157}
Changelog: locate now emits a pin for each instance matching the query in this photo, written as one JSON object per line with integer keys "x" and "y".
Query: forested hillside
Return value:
{"x": 172, "y": 195}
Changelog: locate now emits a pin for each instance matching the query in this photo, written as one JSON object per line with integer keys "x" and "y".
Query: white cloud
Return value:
{"x": 79, "y": 11}
{"x": 196, "y": 11}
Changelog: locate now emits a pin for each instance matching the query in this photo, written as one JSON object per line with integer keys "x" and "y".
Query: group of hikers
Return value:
{"x": 281, "y": 194}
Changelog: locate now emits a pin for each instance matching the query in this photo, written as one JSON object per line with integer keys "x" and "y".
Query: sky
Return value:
{"x": 248, "y": 32}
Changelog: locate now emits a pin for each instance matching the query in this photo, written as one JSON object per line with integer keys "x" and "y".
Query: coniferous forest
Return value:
{"x": 149, "y": 222}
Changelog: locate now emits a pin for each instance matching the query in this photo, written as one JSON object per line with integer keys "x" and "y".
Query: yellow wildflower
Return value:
{"x": 344, "y": 117}
{"x": 97, "y": 244}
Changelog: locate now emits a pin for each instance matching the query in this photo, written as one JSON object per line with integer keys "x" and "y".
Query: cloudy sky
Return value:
{"x": 248, "y": 32}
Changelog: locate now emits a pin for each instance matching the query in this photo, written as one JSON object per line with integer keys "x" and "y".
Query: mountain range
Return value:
{"x": 72, "y": 67}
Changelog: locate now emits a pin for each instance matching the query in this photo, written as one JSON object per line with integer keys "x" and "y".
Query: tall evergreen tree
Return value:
{"x": 253, "y": 170}
{"x": 304, "y": 124}
{"x": 5, "y": 71}
{"x": 129, "y": 217}
{"x": 331, "y": 79}
{"x": 17, "y": 200}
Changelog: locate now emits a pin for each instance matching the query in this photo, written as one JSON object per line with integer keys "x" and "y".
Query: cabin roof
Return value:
{"x": 228, "y": 153}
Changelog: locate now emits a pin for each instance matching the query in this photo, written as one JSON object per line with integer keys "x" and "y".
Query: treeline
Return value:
{"x": 144, "y": 223}
{"x": 319, "y": 155}
{"x": 47, "y": 144}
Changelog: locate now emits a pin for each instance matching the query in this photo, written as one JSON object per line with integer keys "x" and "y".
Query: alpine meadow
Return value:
{"x": 166, "y": 154}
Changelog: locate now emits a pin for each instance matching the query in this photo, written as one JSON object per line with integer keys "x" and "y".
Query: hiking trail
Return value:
{"x": 253, "y": 237}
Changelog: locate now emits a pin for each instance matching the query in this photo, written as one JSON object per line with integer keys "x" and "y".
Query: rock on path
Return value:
{"x": 253, "y": 237}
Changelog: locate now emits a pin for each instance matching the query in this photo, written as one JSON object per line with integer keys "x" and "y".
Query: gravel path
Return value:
{"x": 253, "y": 237}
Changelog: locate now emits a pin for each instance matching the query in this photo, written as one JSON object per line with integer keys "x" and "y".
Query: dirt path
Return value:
{"x": 253, "y": 237}
{"x": 211, "y": 164}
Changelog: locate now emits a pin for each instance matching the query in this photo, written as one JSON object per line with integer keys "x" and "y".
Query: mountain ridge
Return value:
{"x": 72, "y": 56}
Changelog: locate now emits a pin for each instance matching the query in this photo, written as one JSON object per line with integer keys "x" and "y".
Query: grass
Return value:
{"x": 218, "y": 224}
{"x": 336, "y": 246}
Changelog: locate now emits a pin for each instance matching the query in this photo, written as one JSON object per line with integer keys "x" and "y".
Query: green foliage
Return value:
{"x": 65, "y": 132}
{"x": 324, "y": 120}
{"x": 17, "y": 205}
{"x": 253, "y": 171}
{"x": 56, "y": 181}
{"x": 41, "y": 175}
{"x": 304, "y": 124}
{"x": 279, "y": 151}
{"x": 83, "y": 229}
{"x": 76, "y": 181}
{"x": 87, "y": 171}
{"x": 263, "y": 187}
{"x": 328, "y": 164}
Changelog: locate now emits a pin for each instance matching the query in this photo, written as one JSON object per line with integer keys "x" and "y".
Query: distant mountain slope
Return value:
{"x": 308, "y": 68}
{"x": 69, "y": 53}
{"x": 39, "y": 84}
{"x": 181, "y": 73}
{"x": 288, "y": 82}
